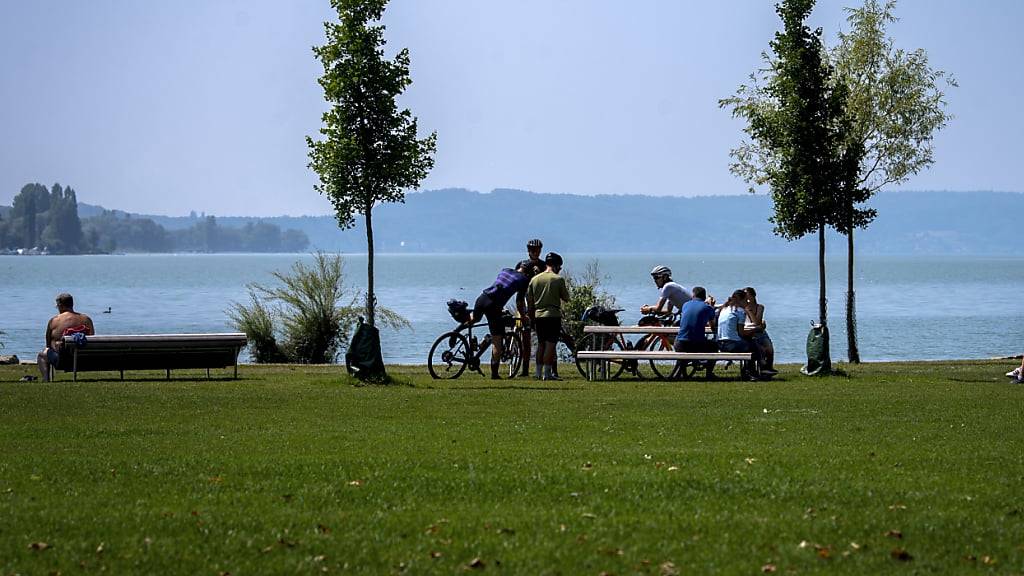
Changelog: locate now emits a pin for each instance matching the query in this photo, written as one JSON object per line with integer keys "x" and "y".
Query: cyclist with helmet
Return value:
{"x": 491, "y": 303}
{"x": 536, "y": 266}
{"x": 544, "y": 300}
{"x": 670, "y": 294}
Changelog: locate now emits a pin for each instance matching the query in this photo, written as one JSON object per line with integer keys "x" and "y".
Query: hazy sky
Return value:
{"x": 166, "y": 107}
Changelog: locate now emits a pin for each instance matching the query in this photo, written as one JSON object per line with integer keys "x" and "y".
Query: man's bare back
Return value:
{"x": 66, "y": 318}
{"x": 58, "y": 324}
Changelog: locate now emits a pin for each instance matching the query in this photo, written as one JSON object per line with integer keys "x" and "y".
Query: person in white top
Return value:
{"x": 670, "y": 294}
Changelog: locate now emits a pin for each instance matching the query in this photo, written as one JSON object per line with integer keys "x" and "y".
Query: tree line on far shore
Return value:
{"x": 46, "y": 220}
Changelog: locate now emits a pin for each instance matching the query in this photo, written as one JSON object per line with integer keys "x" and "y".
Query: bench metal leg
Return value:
{"x": 207, "y": 373}
{"x": 74, "y": 364}
{"x": 168, "y": 373}
{"x": 122, "y": 374}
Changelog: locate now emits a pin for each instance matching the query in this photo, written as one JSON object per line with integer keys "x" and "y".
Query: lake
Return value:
{"x": 909, "y": 308}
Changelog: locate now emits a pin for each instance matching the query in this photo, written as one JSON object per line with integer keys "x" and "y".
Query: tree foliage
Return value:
{"x": 800, "y": 136}
{"x": 895, "y": 98}
{"x": 369, "y": 152}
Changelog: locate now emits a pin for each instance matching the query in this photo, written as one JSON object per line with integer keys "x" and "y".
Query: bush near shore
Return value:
{"x": 913, "y": 466}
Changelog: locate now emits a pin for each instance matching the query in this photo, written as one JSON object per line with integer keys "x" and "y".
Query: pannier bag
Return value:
{"x": 459, "y": 310}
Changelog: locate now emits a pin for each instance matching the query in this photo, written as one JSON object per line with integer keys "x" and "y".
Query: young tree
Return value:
{"x": 897, "y": 106}
{"x": 800, "y": 145}
{"x": 370, "y": 152}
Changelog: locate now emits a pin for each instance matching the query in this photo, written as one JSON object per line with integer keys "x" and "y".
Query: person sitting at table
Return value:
{"x": 732, "y": 333}
{"x": 756, "y": 325}
{"x": 694, "y": 319}
{"x": 670, "y": 294}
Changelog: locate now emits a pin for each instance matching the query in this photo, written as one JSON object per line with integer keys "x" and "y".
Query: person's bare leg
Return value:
{"x": 44, "y": 366}
{"x": 549, "y": 359}
{"x": 525, "y": 346}
{"x": 496, "y": 350}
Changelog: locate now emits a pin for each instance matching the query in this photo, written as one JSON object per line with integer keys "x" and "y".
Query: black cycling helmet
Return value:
{"x": 534, "y": 243}
{"x": 552, "y": 259}
{"x": 527, "y": 268}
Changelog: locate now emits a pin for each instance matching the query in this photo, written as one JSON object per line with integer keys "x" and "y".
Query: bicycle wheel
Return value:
{"x": 448, "y": 356}
{"x": 604, "y": 343}
{"x": 663, "y": 369}
{"x": 512, "y": 355}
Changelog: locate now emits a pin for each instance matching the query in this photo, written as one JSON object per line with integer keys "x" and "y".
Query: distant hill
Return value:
{"x": 458, "y": 220}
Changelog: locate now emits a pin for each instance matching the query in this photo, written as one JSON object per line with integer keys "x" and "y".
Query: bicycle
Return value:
{"x": 606, "y": 342}
{"x": 670, "y": 369}
{"x": 458, "y": 349}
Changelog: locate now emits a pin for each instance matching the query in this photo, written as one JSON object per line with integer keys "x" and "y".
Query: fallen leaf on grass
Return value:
{"x": 323, "y": 529}
{"x": 99, "y": 549}
{"x": 216, "y": 479}
{"x": 587, "y": 465}
{"x": 611, "y": 551}
{"x": 901, "y": 555}
{"x": 673, "y": 468}
{"x": 476, "y": 564}
{"x": 854, "y": 545}
{"x": 988, "y": 560}
{"x": 768, "y": 568}
{"x": 40, "y": 546}
{"x": 356, "y": 483}
{"x": 669, "y": 569}
{"x": 897, "y": 506}
{"x": 894, "y": 534}
{"x": 824, "y": 552}
{"x": 435, "y": 554}
{"x": 750, "y": 460}
{"x": 319, "y": 558}
{"x": 589, "y": 515}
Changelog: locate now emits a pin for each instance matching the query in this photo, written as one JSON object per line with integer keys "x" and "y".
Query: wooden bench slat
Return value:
{"x": 660, "y": 355}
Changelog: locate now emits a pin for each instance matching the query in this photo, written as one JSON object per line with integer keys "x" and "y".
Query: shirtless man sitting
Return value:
{"x": 67, "y": 321}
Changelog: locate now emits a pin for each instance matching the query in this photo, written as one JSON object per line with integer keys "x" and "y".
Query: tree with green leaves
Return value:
{"x": 369, "y": 152}
{"x": 800, "y": 137}
{"x": 897, "y": 106}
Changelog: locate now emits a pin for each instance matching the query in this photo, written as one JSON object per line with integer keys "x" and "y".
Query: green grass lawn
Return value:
{"x": 899, "y": 468}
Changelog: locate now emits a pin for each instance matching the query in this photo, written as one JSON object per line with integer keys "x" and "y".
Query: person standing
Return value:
{"x": 533, "y": 248}
{"x": 491, "y": 304}
{"x": 65, "y": 323}
{"x": 544, "y": 299}
{"x": 670, "y": 294}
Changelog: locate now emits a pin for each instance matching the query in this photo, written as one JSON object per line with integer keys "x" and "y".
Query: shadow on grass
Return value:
{"x": 499, "y": 387}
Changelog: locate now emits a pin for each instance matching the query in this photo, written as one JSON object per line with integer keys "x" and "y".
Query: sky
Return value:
{"x": 169, "y": 107}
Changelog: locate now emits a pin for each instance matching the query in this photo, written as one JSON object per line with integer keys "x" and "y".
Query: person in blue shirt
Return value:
{"x": 491, "y": 304}
{"x": 732, "y": 334}
{"x": 696, "y": 315}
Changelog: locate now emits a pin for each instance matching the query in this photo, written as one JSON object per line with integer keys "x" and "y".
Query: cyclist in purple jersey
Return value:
{"x": 491, "y": 303}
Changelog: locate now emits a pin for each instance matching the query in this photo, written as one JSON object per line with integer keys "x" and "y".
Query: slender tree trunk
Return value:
{"x": 822, "y": 302}
{"x": 371, "y": 299}
{"x": 851, "y": 304}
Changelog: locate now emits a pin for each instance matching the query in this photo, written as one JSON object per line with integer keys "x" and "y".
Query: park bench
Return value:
{"x": 597, "y": 361}
{"x": 117, "y": 353}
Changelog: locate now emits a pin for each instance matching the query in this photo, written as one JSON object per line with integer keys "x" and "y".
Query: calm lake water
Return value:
{"x": 908, "y": 307}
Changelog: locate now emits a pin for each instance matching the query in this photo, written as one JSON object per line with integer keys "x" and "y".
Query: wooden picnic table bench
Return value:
{"x": 120, "y": 352}
{"x": 598, "y": 361}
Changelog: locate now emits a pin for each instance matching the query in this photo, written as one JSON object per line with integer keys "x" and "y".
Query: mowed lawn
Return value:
{"x": 898, "y": 468}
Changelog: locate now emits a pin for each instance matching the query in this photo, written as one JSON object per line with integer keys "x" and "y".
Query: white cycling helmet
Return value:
{"x": 661, "y": 271}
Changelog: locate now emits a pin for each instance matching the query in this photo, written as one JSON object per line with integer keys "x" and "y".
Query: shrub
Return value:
{"x": 310, "y": 321}
{"x": 584, "y": 291}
